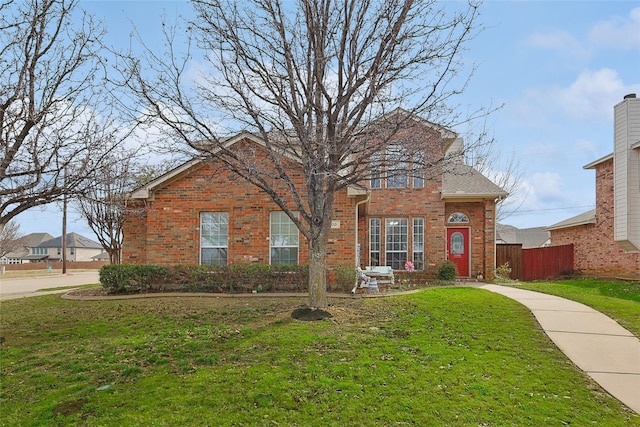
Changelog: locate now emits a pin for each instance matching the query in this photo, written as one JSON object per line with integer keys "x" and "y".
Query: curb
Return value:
{"x": 69, "y": 296}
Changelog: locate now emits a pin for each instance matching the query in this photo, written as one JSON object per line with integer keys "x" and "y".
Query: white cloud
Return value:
{"x": 546, "y": 188}
{"x": 591, "y": 96}
{"x": 542, "y": 201}
{"x": 562, "y": 42}
{"x": 587, "y": 149}
{"x": 620, "y": 33}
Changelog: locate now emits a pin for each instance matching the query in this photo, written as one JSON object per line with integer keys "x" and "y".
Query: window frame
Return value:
{"x": 272, "y": 246}
{"x": 458, "y": 218}
{"x": 374, "y": 240}
{"x": 418, "y": 224}
{"x": 375, "y": 179}
{"x": 396, "y": 244}
{"x": 221, "y": 249}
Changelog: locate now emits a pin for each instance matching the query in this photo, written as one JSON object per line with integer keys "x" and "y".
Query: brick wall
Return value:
{"x": 595, "y": 251}
{"x": 482, "y": 234}
{"x": 167, "y": 230}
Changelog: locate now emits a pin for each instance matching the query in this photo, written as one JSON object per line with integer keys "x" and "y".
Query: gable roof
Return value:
{"x": 533, "y": 237}
{"x": 29, "y": 241}
{"x": 461, "y": 181}
{"x": 588, "y": 217}
{"x": 34, "y": 239}
{"x": 448, "y": 136}
{"x": 74, "y": 240}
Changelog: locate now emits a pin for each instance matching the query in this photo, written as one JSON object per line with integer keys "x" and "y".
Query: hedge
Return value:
{"x": 242, "y": 278}
{"x": 245, "y": 278}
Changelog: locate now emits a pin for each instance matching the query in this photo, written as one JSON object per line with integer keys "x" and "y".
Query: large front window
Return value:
{"x": 396, "y": 242}
{"x": 284, "y": 240}
{"x": 214, "y": 238}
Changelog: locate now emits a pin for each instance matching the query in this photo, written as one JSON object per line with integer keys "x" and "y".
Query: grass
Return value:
{"x": 619, "y": 300}
{"x": 455, "y": 357}
{"x": 62, "y": 288}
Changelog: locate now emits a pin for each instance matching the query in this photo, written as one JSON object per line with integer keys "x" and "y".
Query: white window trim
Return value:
{"x": 371, "y": 250}
{"x": 202, "y": 246}
{"x": 387, "y": 224}
{"x": 421, "y": 234}
{"x": 272, "y": 246}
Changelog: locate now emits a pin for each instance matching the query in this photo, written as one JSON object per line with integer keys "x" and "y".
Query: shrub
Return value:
{"x": 447, "y": 271}
{"x": 133, "y": 278}
{"x": 503, "y": 272}
{"x": 345, "y": 277}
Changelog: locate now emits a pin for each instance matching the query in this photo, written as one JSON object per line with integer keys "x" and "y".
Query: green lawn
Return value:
{"x": 619, "y": 300}
{"x": 440, "y": 357}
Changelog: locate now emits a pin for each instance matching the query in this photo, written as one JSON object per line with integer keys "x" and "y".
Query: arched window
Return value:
{"x": 458, "y": 218}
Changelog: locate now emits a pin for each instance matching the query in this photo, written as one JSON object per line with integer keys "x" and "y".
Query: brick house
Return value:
{"x": 607, "y": 239}
{"x": 201, "y": 213}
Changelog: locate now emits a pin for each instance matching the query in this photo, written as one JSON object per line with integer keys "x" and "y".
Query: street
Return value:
{"x": 18, "y": 287}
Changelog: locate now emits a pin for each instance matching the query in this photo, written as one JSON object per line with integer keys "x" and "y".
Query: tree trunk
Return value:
{"x": 317, "y": 270}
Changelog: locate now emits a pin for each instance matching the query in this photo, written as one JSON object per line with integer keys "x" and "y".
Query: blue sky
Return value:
{"x": 557, "y": 67}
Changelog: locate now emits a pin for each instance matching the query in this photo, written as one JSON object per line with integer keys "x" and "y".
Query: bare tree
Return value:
{"x": 54, "y": 124}
{"x": 309, "y": 78}
{"x": 104, "y": 204}
{"x": 10, "y": 238}
{"x": 506, "y": 173}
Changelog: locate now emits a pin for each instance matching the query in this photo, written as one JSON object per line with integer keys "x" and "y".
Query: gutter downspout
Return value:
{"x": 367, "y": 200}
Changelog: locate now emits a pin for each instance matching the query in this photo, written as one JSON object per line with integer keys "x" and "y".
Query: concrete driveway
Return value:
{"x": 19, "y": 287}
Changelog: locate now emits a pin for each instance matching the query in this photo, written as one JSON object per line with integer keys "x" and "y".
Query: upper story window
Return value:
{"x": 376, "y": 172}
{"x": 458, "y": 218}
{"x": 396, "y": 169}
{"x": 418, "y": 172}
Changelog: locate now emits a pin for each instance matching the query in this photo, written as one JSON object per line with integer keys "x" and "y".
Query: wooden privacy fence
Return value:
{"x": 536, "y": 263}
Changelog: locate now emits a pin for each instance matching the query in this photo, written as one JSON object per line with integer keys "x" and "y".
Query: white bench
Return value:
{"x": 364, "y": 276}
{"x": 382, "y": 273}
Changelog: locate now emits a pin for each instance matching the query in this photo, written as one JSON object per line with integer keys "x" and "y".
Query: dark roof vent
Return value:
{"x": 630, "y": 96}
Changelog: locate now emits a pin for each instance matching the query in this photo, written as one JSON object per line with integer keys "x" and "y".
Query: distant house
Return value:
{"x": 193, "y": 215}
{"x": 29, "y": 242}
{"x": 607, "y": 239}
{"x": 79, "y": 248}
{"x": 534, "y": 237}
{"x": 102, "y": 256}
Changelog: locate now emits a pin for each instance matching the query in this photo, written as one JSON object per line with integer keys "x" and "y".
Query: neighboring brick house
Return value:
{"x": 606, "y": 238}
{"x": 200, "y": 213}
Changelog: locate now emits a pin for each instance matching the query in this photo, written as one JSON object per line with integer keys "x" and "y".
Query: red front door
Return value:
{"x": 458, "y": 249}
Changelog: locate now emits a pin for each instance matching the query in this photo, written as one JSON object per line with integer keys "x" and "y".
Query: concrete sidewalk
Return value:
{"x": 606, "y": 351}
